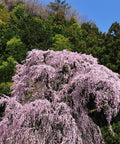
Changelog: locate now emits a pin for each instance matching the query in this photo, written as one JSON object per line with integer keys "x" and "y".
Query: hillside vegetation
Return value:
{"x": 27, "y": 25}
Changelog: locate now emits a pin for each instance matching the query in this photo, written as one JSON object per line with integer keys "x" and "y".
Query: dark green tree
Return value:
{"x": 92, "y": 41}
{"x": 111, "y": 55}
{"x": 33, "y": 31}
{"x": 115, "y": 29}
{"x": 6, "y": 33}
{"x": 59, "y": 6}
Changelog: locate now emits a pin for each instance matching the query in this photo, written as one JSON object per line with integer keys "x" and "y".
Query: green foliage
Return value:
{"x": 4, "y": 15}
{"x": 17, "y": 18}
{"x": 59, "y": 19}
{"x": 111, "y": 53}
{"x": 33, "y": 32}
{"x": 19, "y": 11}
{"x": 16, "y": 49}
{"x": 75, "y": 35}
{"x": 50, "y": 20}
{"x": 59, "y": 6}
{"x": 60, "y": 43}
{"x": 76, "y": 28}
{"x": 5, "y": 88}
{"x": 58, "y": 25}
{"x": 91, "y": 41}
{"x": 7, "y": 70}
{"x": 1, "y": 6}
{"x": 114, "y": 29}
{"x": 2, "y": 30}
{"x": 108, "y": 137}
{"x": 6, "y": 33}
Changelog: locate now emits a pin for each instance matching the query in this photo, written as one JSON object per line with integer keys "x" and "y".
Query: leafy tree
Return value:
{"x": 59, "y": 25}
{"x": 1, "y": 6}
{"x": 75, "y": 35}
{"x": 16, "y": 49}
{"x": 114, "y": 29}
{"x": 92, "y": 40}
{"x": 4, "y": 15}
{"x": 5, "y": 88}
{"x": 60, "y": 43}
{"x": 7, "y": 70}
{"x": 6, "y": 33}
{"x": 33, "y": 32}
{"x": 60, "y": 19}
{"x": 111, "y": 55}
{"x": 59, "y": 6}
{"x": 19, "y": 11}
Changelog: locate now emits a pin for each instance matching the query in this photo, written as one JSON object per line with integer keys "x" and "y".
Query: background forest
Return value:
{"x": 27, "y": 25}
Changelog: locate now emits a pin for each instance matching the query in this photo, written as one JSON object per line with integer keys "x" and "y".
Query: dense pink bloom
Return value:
{"x": 50, "y": 98}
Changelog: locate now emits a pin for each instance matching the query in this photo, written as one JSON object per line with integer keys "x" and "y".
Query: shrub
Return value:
{"x": 5, "y": 88}
{"x": 7, "y": 70}
{"x": 60, "y": 43}
{"x": 16, "y": 49}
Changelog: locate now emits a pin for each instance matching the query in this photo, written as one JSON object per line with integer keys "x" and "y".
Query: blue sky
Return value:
{"x": 103, "y": 12}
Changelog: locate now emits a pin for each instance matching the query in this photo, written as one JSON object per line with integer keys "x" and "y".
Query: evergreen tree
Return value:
{"x": 59, "y": 6}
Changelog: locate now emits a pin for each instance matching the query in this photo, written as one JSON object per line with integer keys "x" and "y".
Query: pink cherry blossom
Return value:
{"x": 50, "y": 98}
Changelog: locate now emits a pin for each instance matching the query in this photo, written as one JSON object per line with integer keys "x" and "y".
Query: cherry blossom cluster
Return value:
{"x": 50, "y": 98}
